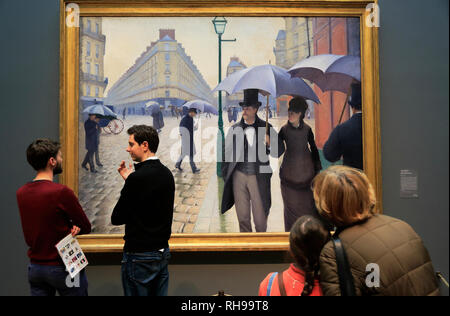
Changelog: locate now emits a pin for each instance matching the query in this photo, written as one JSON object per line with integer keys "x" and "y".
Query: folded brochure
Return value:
{"x": 73, "y": 257}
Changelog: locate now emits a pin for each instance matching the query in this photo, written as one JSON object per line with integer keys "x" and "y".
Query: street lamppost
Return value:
{"x": 219, "y": 26}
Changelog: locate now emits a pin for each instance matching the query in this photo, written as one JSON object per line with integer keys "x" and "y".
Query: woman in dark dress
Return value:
{"x": 300, "y": 164}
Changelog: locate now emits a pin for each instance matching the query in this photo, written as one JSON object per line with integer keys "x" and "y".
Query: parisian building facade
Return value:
{"x": 295, "y": 42}
{"x": 292, "y": 44}
{"x": 92, "y": 52}
{"x": 234, "y": 65}
{"x": 163, "y": 73}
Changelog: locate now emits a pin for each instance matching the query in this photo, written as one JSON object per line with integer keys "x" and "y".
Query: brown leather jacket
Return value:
{"x": 404, "y": 262}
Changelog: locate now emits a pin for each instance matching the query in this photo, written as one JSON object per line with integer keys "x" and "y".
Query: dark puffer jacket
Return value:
{"x": 405, "y": 265}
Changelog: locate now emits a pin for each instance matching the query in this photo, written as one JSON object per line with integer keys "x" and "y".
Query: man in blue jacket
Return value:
{"x": 346, "y": 139}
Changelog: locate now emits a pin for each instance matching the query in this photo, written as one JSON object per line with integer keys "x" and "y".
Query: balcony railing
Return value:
{"x": 90, "y": 77}
{"x": 100, "y": 37}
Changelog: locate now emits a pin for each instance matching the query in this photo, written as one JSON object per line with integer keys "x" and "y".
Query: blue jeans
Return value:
{"x": 47, "y": 280}
{"x": 146, "y": 274}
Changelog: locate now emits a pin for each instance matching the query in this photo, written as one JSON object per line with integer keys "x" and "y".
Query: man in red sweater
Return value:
{"x": 49, "y": 212}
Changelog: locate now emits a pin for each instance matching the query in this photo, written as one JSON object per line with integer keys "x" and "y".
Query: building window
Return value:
{"x": 88, "y": 53}
{"x": 167, "y": 80}
{"x": 97, "y": 28}
{"x": 88, "y": 67}
{"x": 97, "y": 69}
{"x": 97, "y": 51}
{"x": 97, "y": 92}
{"x": 89, "y": 25}
{"x": 88, "y": 90}
{"x": 167, "y": 56}
{"x": 167, "y": 93}
{"x": 167, "y": 47}
{"x": 167, "y": 68}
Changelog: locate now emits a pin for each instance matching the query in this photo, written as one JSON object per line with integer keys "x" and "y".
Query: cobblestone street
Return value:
{"x": 196, "y": 207}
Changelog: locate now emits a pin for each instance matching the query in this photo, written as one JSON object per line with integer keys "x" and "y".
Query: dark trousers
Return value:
{"x": 47, "y": 280}
{"x": 146, "y": 274}
{"x": 97, "y": 158}
{"x": 89, "y": 159}
{"x": 296, "y": 204}
{"x": 191, "y": 161}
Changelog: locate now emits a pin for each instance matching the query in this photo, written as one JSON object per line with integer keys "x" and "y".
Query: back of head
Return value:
{"x": 307, "y": 238}
{"x": 40, "y": 151}
{"x": 344, "y": 195}
{"x": 355, "y": 99}
{"x": 145, "y": 133}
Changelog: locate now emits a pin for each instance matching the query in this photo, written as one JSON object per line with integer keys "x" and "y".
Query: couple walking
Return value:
{"x": 247, "y": 172}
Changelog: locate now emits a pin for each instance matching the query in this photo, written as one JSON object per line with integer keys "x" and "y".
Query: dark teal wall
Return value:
{"x": 414, "y": 73}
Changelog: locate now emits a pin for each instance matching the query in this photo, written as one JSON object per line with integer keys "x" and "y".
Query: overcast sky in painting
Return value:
{"x": 127, "y": 39}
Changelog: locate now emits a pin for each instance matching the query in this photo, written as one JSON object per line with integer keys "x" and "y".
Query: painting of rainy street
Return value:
{"x": 153, "y": 70}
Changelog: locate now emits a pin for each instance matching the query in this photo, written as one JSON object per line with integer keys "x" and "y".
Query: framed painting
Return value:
{"x": 126, "y": 63}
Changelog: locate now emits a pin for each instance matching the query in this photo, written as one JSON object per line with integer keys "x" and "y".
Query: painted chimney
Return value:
{"x": 168, "y": 32}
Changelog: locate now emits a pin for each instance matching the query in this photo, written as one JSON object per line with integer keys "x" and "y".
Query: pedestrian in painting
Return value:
{"x": 158, "y": 121}
{"x": 235, "y": 114}
{"x": 145, "y": 207}
{"x": 346, "y": 139}
{"x": 230, "y": 114}
{"x": 300, "y": 165}
{"x": 97, "y": 154}
{"x": 187, "y": 140}
{"x": 91, "y": 128}
{"x": 246, "y": 169}
{"x": 49, "y": 212}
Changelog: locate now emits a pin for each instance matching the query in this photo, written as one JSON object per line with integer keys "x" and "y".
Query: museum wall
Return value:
{"x": 414, "y": 133}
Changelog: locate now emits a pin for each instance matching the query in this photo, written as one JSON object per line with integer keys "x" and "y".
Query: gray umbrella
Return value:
{"x": 153, "y": 107}
{"x": 201, "y": 106}
{"x": 330, "y": 72}
{"x": 269, "y": 79}
{"x": 100, "y": 110}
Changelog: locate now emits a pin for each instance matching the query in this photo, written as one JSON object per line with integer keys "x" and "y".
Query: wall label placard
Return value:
{"x": 409, "y": 184}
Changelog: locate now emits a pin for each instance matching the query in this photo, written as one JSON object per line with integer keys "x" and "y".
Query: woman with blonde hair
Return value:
{"x": 385, "y": 256}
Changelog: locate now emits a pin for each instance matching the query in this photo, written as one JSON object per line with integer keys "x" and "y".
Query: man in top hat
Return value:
{"x": 346, "y": 139}
{"x": 187, "y": 140}
{"x": 246, "y": 169}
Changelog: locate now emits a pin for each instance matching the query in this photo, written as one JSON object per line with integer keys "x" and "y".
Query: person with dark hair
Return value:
{"x": 346, "y": 139}
{"x": 372, "y": 242}
{"x": 187, "y": 140}
{"x": 91, "y": 129}
{"x": 145, "y": 207}
{"x": 246, "y": 170}
{"x": 300, "y": 164}
{"x": 49, "y": 212}
{"x": 306, "y": 240}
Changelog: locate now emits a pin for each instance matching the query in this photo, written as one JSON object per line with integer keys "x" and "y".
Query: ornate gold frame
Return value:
{"x": 69, "y": 61}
